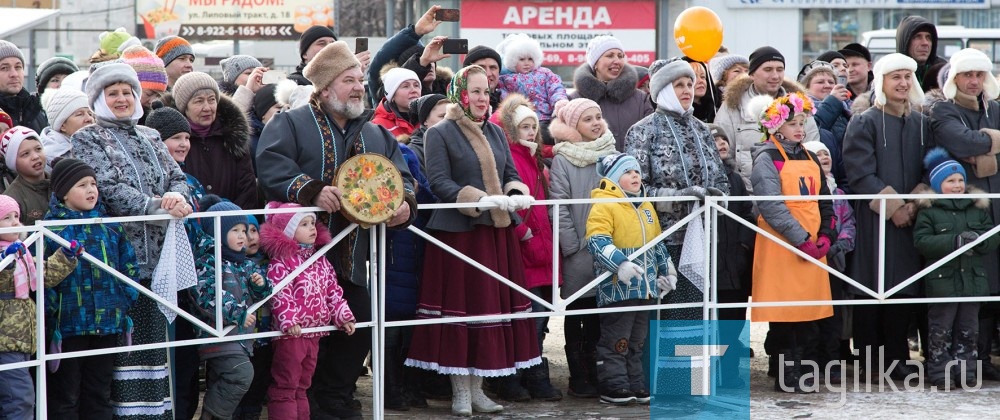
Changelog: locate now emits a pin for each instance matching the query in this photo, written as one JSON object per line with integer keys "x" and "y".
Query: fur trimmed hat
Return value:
{"x": 334, "y": 59}
{"x": 189, "y": 84}
{"x": 940, "y": 166}
{"x": 970, "y": 59}
{"x": 109, "y": 74}
{"x": 563, "y": 126}
{"x": 600, "y": 44}
{"x": 889, "y": 64}
{"x": 662, "y": 77}
{"x": 721, "y": 64}
{"x": 521, "y": 45}
{"x": 53, "y": 67}
{"x": 287, "y": 222}
{"x": 812, "y": 69}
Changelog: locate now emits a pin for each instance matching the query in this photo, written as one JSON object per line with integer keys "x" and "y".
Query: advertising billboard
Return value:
{"x": 205, "y": 20}
{"x": 563, "y": 28}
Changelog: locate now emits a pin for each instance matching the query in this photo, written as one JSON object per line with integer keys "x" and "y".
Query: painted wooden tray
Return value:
{"x": 372, "y": 189}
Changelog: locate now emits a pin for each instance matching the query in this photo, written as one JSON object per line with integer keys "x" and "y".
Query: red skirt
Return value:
{"x": 451, "y": 288}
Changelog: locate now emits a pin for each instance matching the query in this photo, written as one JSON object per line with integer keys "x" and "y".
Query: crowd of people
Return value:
{"x": 140, "y": 132}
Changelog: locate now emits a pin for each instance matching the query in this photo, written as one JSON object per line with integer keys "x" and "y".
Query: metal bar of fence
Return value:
{"x": 556, "y": 259}
{"x": 663, "y": 235}
{"x": 479, "y": 266}
{"x": 711, "y": 219}
{"x": 104, "y": 267}
{"x": 881, "y": 251}
{"x": 41, "y": 380}
{"x": 942, "y": 261}
{"x": 825, "y": 267}
{"x": 377, "y": 267}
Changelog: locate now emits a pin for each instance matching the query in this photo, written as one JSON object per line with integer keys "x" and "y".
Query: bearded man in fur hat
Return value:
{"x": 298, "y": 157}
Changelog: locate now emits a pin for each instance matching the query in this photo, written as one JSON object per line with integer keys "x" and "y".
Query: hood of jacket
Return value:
{"x": 733, "y": 96}
{"x": 277, "y": 246}
{"x": 610, "y": 189}
{"x": 236, "y": 129}
{"x": 618, "y": 90}
{"x": 59, "y": 211}
{"x": 507, "y": 115}
{"x": 954, "y": 202}
{"x": 909, "y": 27}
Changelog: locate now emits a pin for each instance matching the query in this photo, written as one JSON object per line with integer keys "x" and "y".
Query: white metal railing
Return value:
{"x": 708, "y": 214}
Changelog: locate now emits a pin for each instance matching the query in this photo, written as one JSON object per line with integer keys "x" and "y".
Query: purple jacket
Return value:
{"x": 542, "y": 87}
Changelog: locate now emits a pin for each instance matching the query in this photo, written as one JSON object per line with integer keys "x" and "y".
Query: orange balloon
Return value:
{"x": 698, "y": 33}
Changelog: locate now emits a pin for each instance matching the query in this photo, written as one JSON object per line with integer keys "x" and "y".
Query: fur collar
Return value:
{"x": 733, "y": 96}
{"x": 277, "y": 245}
{"x": 980, "y": 203}
{"x": 235, "y": 126}
{"x": 473, "y": 133}
{"x": 617, "y": 90}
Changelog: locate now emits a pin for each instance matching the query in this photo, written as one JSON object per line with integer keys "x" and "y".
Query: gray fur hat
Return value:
{"x": 663, "y": 76}
{"x": 107, "y": 75}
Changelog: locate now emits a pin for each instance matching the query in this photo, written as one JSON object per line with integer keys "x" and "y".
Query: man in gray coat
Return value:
{"x": 298, "y": 157}
{"x": 967, "y": 126}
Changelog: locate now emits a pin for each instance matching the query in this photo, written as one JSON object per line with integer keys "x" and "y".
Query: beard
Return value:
{"x": 351, "y": 110}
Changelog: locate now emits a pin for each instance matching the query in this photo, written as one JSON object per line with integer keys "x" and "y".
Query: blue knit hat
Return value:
{"x": 940, "y": 165}
{"x": 614, "y": 166}
{"x": 226, "y": 222}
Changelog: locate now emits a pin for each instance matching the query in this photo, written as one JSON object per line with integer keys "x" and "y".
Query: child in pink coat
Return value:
{"x": 312, "y": 299}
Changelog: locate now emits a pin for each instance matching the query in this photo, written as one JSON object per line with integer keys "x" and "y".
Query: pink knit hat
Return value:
{"x": 8, "y": 205}
{"x": 563, "y": 127}
{"x": 287, "y": 222}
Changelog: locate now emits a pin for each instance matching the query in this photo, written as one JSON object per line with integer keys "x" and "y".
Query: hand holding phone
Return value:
{"x": 455, "y": 46}
{"x": 842, "y": 80}
{"x": 447, "y": 15}
{"x": 360, "y": 45}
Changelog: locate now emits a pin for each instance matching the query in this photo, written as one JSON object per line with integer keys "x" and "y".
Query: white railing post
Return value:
{"x": 41, "y": 370}
{"x": 377, "y": 282}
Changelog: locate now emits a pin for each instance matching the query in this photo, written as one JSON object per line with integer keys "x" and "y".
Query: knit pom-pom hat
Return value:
{"x": 940, "y": 166}
{"x": 287, "y": 222}
{"x": 563, "y": 127}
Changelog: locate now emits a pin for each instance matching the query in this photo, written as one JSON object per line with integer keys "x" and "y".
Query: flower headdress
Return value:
{"x": 773, "y": 113}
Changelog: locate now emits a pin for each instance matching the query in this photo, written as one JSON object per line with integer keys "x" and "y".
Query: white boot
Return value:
{"x": 480, "y": 402}
{"x": 461, "y": 401}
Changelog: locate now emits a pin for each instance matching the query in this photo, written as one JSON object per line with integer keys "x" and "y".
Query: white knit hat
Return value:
{"x": 395, "y": 77}
{"x": 970, "y": 59}
{"x": 889, "y": 64}
{"x": 521, "y": 45}
{"x": 815, "y": 146}
{"x": 599, "y": 45}
{"x": 60, "y": 104}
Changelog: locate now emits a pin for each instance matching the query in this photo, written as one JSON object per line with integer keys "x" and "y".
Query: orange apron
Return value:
{"x": 780, "y": 275}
